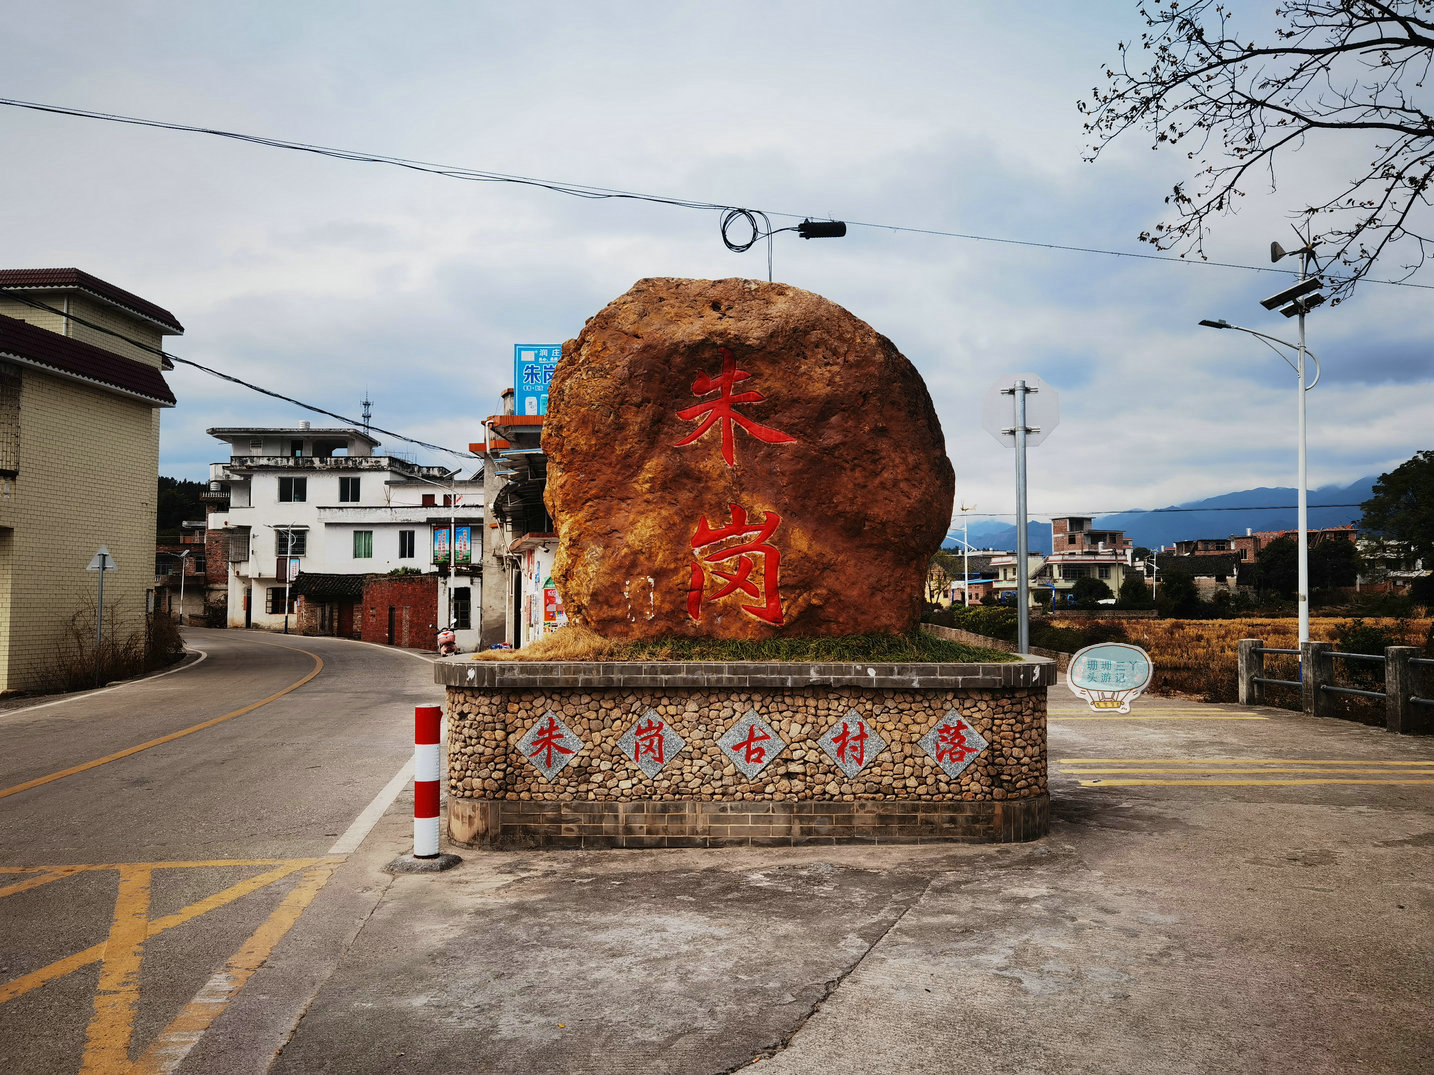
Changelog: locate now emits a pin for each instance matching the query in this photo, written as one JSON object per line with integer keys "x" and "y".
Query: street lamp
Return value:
{"x": 965, "y": 557}
{"x": 288, "y": 530}
{"x": 1296, "y": 300}
{"x": 181, "y": 557}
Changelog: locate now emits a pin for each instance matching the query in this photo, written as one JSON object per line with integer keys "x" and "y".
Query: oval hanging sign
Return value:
{"x": 1109, "y": 675}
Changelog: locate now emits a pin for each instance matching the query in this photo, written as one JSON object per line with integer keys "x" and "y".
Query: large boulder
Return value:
{"x": 737, "y": 459}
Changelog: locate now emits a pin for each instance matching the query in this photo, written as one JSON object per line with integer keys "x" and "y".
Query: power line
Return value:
{"x": 1148, "y": 511}
{"x": 151, "y": 349}
{"x": 583, "y": 190}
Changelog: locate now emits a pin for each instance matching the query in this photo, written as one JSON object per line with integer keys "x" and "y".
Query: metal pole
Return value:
{"x": 965, "y": 562}
{"x": 1023, "y": 611}
{"x": 1303, "y": 597}
{"x": 181, "y": 587}
{"x": 288, "y": 571}
{"x": 452, "y": 552}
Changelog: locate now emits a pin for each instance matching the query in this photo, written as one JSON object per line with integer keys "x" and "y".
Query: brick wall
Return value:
{"x": 414, "y": 600}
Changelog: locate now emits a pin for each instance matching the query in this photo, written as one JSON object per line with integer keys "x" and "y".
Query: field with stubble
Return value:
{"x": 1199, "y": 658}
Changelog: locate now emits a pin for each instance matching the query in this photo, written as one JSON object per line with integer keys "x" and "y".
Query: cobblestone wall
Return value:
{"x": 582, "y": 755}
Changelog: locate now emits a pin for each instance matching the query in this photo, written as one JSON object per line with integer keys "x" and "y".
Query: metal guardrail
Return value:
{"x": 1405, "y": 712}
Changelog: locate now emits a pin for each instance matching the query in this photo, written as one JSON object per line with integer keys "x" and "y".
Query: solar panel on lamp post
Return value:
{"x": 1294, "y": 301}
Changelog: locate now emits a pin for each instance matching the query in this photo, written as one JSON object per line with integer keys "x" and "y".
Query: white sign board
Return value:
{"x": 102, "y": 561}
{"x": 998, "y": 412}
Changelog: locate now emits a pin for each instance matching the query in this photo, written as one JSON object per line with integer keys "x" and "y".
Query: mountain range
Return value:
{"x": 1221, "y": 516}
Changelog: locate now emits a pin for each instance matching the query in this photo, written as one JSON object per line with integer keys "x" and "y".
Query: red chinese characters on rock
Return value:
{"x": 648, "y": 742}
{"x": 549, "y": 738}
{"x": 722, "y": 409}
{"x": 851, "y": 747}
{"x": 952, "y": 745}
{"x": 746, "y": 576}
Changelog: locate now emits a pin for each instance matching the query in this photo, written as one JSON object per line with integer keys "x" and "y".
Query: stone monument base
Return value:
{"x": 710, "y": 754}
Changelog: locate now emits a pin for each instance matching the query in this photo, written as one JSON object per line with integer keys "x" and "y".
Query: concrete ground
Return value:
{"x": 1222, "y": 890}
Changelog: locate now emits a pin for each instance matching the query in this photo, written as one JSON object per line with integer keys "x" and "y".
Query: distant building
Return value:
{"x": 308, "y": 516}
{"x": 181, "y": 582}
{"x": 79, "y": 458}
{"x": 1077, "y": 551}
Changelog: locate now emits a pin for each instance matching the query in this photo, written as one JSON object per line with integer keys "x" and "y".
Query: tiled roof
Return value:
{"x": 331, "y": 586}
{"x": 49, "y": 350}
{"x": 78, "y": 278}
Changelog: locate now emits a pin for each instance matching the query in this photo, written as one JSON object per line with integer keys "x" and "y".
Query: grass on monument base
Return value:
{"x": 577, "y": 643}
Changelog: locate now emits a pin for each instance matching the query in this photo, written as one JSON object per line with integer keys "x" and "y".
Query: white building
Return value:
{"x": 320, "y": 503}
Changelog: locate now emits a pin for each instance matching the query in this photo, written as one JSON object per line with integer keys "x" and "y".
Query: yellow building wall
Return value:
{"x": 88, "y": 469}
{"x": 93, "y": 310}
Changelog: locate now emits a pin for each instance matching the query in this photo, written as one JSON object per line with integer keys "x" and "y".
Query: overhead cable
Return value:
{"x": 20, "y": 296}
{"x": 584, "y": 190}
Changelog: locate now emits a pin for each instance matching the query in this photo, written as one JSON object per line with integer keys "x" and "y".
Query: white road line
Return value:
{"x": 363, "y": 824}
{"x": 184, "y": 667}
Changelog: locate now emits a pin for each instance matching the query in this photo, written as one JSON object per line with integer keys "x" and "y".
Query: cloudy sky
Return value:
{"x": 328, "y": 279}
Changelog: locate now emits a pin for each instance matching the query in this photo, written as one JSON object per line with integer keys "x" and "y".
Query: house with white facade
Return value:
{"x": 1077, "y": 551}
{"x": 313, "y": 517}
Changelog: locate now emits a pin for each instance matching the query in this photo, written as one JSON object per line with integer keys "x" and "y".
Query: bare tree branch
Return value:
{"x": 1336, "y": 71}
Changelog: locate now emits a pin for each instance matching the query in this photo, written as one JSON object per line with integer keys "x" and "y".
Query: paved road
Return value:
{"x": 1222, "y": 890}
{"x": 127, "y": 886}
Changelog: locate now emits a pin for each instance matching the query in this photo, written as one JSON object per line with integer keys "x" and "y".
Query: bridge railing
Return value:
{"x": 1405, "y": 712}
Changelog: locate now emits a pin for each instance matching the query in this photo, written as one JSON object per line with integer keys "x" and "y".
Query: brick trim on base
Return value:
{"x": 499, "y": 823}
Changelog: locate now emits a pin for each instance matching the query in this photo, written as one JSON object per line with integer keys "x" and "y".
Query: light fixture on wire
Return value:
{"x": 807, "y": 229}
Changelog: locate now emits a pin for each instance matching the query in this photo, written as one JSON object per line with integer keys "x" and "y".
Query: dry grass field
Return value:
{"x": 1198, "y": 657}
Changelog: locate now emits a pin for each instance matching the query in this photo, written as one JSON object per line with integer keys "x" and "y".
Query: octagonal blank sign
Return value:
{"x": 998, "y": 412}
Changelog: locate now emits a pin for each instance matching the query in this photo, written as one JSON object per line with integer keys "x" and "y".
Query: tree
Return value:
{"x": 1402, "y": 506}
{"x": 1346, "y": 73}
{"x": 1277, "y": 567}
{"x": 1178, "y": 596}
{"x": 1134, "y": 593}
{"x": 178, "y": 501}
{"x": 1333, "y": 563}
{"x": 1088, "y": 592}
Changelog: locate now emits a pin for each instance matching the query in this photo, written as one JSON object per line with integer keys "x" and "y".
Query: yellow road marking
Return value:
{"x": 107, "y": 1041}
{"x": 318, "y": 667}
{"x": 168, "y": 1051}
{"x": 61, "y": 967}
{"x": 41, "y": 878}
{"x": 1084, "y": 771}
{"x": 1233, "y": 761}
{"x": 1231, "y": 783}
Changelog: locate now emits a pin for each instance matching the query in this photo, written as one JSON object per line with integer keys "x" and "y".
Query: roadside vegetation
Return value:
{"x": 577, "y": 643}
{"x": 130, "y": 648}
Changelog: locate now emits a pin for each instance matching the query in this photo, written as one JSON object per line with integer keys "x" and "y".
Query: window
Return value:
{"x": 9, "y": 421}
{"x": 291, "y": 542}
{"x": 276, "y": 601}
{"x": 293, "y": 490}
{"x": 296, "y": 448}
{"x": 405, "y": 544}
{"x": 1070, "y": 539}
{"x": 348, "y": 490}
{"x": 428, "y": 499}
{"x": 462, "y": 608}
{"x": 1104, "y": 571}
{"x": 363, "y": 544}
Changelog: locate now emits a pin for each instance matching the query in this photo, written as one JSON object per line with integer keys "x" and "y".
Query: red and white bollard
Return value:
{"x": 427, "y": 771}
